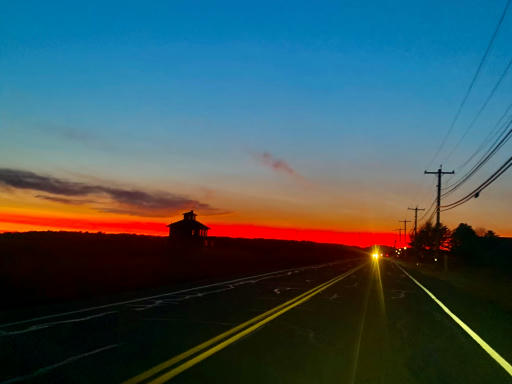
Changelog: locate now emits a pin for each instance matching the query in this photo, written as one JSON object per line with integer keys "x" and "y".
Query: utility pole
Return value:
{"x": 416, "y": 218}
{"x": 439, "y": 174}
{"x": 405, "y": 228}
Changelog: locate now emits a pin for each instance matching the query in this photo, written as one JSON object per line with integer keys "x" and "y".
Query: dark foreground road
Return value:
{"x": 350, "y": 322}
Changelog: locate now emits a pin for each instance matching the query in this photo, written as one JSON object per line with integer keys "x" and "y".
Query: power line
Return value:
{"x": 427, "y": 212}
{"x": 476, "y": 192}
{"x": 432, "y": 215}
{"x": 489, "y": 137}
{"x": 498, "y": 143}
{"x": 425, "y": 189}
{"x": 497, "y": 132}
{"x": 472, "y": 83}
{"x": 428, "y": 215}
{"x": 482, "y": 108}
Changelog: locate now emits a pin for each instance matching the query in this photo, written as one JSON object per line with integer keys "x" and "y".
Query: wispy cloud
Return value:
{"x": 81, "y": 136}
{"x": 65, "y": 200}
{"x": 122, "y": 200}
{"x": 276, "y": 164}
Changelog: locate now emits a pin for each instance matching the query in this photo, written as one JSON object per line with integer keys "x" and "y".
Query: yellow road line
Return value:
{"x": 486, "y": 347}
{"x": 259, "y": 320}
{"x": 190, "y": 363}
{"x": 200, "y": 347}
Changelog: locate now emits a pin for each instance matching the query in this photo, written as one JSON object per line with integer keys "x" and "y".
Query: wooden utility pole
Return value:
{"x": 416, "y": 218}
{"x": 439, "y": 174}
{"x": 405, "y": 228}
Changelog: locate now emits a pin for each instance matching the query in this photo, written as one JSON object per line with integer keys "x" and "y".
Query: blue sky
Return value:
{"x": 186, "y": 95}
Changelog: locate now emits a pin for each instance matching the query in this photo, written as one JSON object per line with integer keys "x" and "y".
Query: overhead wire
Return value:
{"x": 498, "y": 130}
{"x": 489, "y": 137}
{"x": 428, "y": 212}
{"x": 500, "y": 141}
{"x": 480, "y": 111}
{"x": 422, "y": 195}
{"x": 472, "y": 83}
{"x": 476, "y": 192}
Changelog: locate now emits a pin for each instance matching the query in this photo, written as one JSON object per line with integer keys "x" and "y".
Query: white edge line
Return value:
{"x": 56, "y": 365}
{"x": 167, "y": 294}
{"x": 38, "y": 327}
{"x": 486, "y": 347}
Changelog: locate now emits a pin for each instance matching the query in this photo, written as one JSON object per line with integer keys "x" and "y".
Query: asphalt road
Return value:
{"x": 355, "y": 321}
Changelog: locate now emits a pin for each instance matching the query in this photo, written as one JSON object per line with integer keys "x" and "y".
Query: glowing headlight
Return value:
{"x": 375, "y": 255}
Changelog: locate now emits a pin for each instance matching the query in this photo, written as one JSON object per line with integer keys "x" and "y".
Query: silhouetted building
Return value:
{"x": 188, "y": 230}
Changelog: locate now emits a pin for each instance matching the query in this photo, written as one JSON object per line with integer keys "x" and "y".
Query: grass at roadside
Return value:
{"x": 489, "y": 283}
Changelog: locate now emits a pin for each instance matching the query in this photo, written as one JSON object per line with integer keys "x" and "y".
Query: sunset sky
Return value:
{"x": 297, "y": 120}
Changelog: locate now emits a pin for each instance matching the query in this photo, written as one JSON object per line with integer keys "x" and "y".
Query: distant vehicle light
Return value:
{"x": 375, "y": 256}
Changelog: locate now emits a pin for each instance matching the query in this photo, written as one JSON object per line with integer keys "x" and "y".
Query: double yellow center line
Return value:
{"x": 223, "y": 340}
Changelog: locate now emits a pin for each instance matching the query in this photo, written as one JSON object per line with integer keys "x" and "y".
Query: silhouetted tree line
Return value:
{"x": 463, "y": 245}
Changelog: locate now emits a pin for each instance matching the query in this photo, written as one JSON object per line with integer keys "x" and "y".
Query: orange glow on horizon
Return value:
{"x": 20, "y": 223}
{"x": 80, "y": 224}
{"x": 361, "y": 239}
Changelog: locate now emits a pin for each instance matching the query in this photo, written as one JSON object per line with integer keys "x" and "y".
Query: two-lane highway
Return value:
{"x": 356, "y": 321}
{"x": 101, "y": 343}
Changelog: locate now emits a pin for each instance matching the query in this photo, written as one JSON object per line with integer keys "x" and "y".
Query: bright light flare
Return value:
{"x": 376, "y": 252}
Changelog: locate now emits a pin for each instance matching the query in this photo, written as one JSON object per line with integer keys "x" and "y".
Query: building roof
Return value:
{"x": 192, "y": 224}
{"x": 189, "y": 222}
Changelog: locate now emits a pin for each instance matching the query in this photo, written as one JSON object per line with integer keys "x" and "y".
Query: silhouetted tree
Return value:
{"x": 473, "y": 247}
{"x": 491, "y": 238}
{"x": 491, "y": 242}
{"x": 465, "y": 243}
{"x": 430, "y": 238}
{"x": 477, "y": 247}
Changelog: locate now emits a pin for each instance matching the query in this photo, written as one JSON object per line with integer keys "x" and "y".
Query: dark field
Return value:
{"x": 96, "y": 308}
{"x": 43, "y": 267}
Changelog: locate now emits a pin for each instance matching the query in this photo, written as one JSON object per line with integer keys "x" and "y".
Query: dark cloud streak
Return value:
{"x": 64, "y": 200}
{"x": 128, "y": 200}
